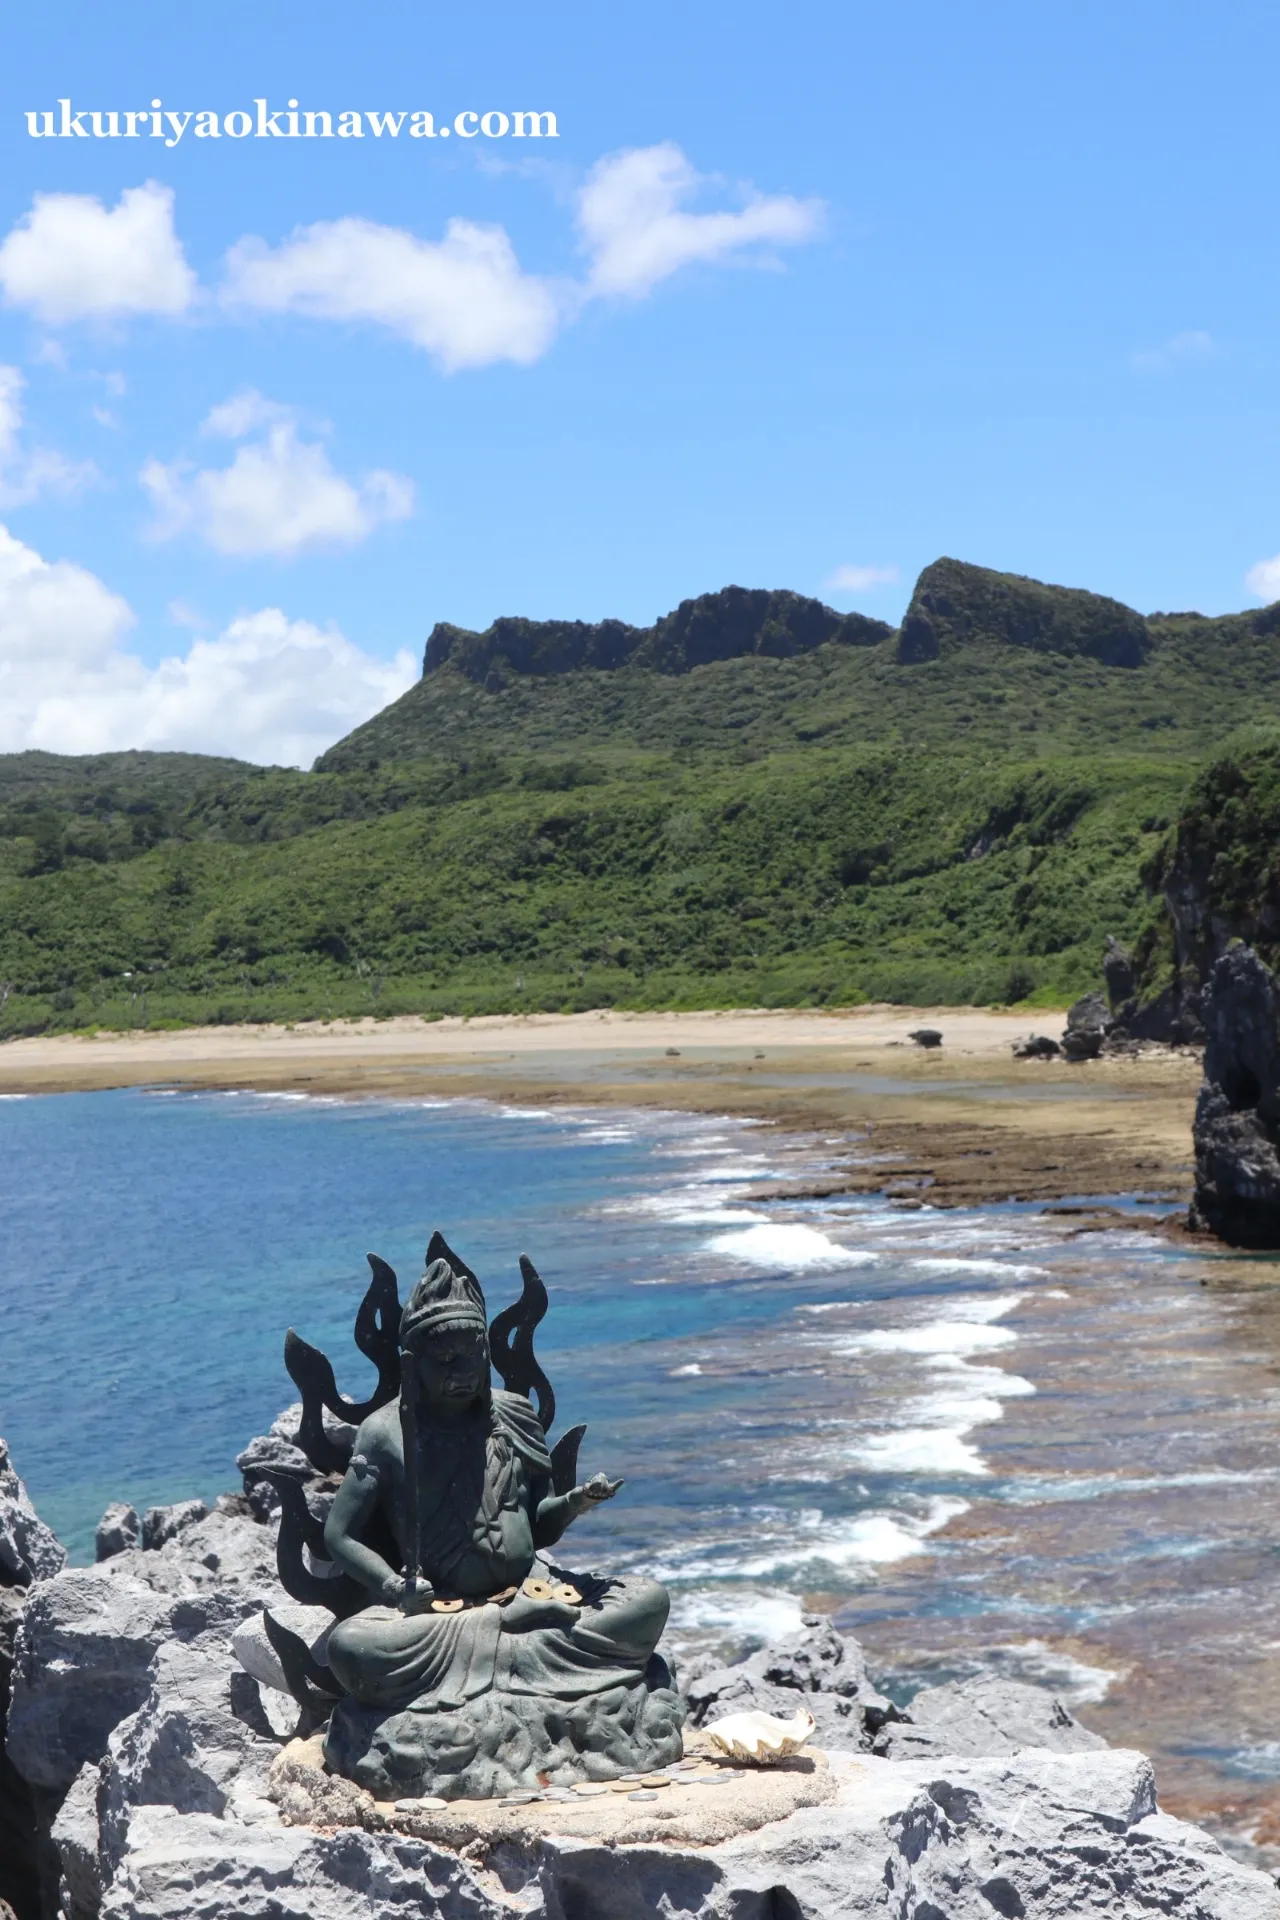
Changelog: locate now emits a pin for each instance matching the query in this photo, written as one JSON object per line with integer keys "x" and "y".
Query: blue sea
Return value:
{"x": 980, "y": 1439}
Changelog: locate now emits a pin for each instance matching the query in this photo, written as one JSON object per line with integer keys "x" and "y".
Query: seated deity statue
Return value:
{"x": 467, "y": 1659}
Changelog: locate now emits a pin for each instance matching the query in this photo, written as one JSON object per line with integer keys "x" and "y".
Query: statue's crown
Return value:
{"x": 442, "y": 1298}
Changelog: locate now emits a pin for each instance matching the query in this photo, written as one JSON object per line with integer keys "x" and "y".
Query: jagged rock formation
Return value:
{"x": 1237, "y": 1122}
{"x": 954, "y": 603}
{"x": 715, "y": 626}
{"x": 159, "y": 1757}
{"x": 30, "y": 1553}
{"x": 816, "y": 1668}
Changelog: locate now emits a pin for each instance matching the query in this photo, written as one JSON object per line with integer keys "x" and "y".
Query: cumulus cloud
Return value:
{"x": 637, "y": 230}
{"x": 859, "y": 579}
{"x": 1174, "y": 352}
{"x": 72, "y": 258}
{"x": 26, "y": 473}
{"x": 465, "y": 299}
{"x": 1263, "y": 580}
{"x": 268, "y": 689}
{"x": 280, "y": 495}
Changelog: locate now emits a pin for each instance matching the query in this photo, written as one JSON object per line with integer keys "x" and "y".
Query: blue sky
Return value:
{"x": 998, "y": 282}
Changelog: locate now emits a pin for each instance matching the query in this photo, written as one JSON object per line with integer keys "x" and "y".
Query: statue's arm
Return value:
{"x": 556, "y": 1512}
{"x": 353, "y": 1507}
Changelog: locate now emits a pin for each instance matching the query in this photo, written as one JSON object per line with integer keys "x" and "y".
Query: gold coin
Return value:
{"x": 447, "y": 1606}
{"x": 568, "y": 1594}
{"x": 655, "y": 1780}
{"x": 508, "y": 1593}
{"x": 536, "y": 1590}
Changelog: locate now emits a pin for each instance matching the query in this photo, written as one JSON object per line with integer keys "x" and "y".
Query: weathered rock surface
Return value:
{"x": 160, "y": 1525}
{"x": 89, "y": 1636}
{"x": 985, "y": 1716}
{"x": 1237, "y": 1122}
{"x": 29, "y": 1550}
{"x": 118, "y": 1531}
{"x": 30, "y": 1553}
{"x": 816, "y": 1668}
{"x": 1039, "y": 1835}
{"x": 1087, "y": 1025}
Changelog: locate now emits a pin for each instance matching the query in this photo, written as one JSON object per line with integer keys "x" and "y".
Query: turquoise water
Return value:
{"x": 978, "y": 1438}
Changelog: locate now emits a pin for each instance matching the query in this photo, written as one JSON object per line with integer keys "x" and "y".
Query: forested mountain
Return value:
{"x": 756, "y": 800}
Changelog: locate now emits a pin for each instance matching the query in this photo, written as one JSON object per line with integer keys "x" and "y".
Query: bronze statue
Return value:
{"x": 469, "y": 1662}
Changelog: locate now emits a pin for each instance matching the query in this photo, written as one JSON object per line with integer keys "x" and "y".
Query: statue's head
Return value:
{"x": 444, "y": 1327}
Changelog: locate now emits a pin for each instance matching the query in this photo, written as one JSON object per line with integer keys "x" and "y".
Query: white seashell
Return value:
{"x": 759, "y": 1736}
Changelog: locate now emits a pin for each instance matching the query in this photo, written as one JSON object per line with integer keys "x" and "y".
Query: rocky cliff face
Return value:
{"x": 1237, "y": 1123}
{"x": 955, "y": 604}
{"x": 716, "y": 626}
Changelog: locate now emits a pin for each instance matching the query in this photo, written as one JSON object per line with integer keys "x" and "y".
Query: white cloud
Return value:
{"x": 859, "y": 579}
{"x": 72, "y": 258}
{"x": 280, "y": 495}
{"x": 464, "y": 299}
{"x": 1174, "y": 352}
{"x": 1263, "y": 580}
{"x": 27, "y": 473}
{"x": 267, "y": 689}
{"x": 634, "y": 224}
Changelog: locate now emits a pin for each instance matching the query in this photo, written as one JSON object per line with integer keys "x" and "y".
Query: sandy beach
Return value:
{"x": 962, "y": 1123}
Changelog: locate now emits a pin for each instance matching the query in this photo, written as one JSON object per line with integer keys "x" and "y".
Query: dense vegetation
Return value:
{"x": 821, "y": 811}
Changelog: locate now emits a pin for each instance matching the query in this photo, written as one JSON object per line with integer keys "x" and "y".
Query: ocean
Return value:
{"x": 980, "y": 1440}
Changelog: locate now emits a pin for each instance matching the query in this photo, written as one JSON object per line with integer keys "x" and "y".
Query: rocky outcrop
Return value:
{"x": 1088, "y": 1024}
{"x": 30, "y": 1553}
{"x": 816, "y": 1668}
{"x": 1237, "y": 1121}
{"x": 1043, "y": 1836}
{"x": 29, "y": 1550}
{"x": 715, "y": 626}
{"x": 983, "y": 1717}
{"x": 147, "y": 1712}
{"x": 955, "y": 605}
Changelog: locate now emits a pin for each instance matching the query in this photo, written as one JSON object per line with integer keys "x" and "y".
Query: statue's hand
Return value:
{"x": 395, "y": 1593}
{"x": 595, "y": 1490}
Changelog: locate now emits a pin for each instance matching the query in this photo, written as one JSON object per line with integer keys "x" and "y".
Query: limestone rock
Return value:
{"x": 816, "y": 1668}
{"x": 255, "y": 1652}
{"x": 185, "y": 1747}
{"x": 118, "y": 1530}
{"x": 1237, "y": 1120}
{"x": 88, "y": 1638}
{"x": 1117, "y": 971}
{"x": 29, "y": 1550}
{"x": 84, "y": 1648}
{"x": 1086, "y": 1029}
{"x": 162, "y": 1524}
{"x": 1042, "y": 1836}
{"x": 1037, "y": 1046}
{"x": 76, "y": 1835}
{"x": 984, "y": 1716}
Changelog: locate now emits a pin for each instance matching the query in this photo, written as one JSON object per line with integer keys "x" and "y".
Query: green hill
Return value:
{"x": 755, "y": 800}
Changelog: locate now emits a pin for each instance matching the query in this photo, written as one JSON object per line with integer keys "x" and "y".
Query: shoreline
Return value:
{"x": 963, "y": 1124}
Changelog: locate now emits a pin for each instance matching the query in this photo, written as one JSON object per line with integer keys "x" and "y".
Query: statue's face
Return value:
{"x": 454, "y": 1366}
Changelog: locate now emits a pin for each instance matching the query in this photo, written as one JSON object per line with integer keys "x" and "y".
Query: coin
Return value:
{"x": 447, "y": 1606}
{"x": 517, "y": 1799}
{"x": 568, "y": 1594}
{"x": 655, "y": 1780}
{"x": 536, "y": 1589}
{"x": 642, "y": 1793}
{"x": 589, "y": 1786}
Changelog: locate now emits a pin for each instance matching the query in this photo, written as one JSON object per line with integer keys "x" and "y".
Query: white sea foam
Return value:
{"x": 789, "y": 1542}
{"x": 685, "y": 1373}
{"x": 955, "y": 1337}
{"x": 1036, "y": 1661}
{"x": 786, "y": 1244}
{"x": 1001, "y": 1269}
{"x": 749, "y": 1614}
{"x": 919, "y": 1450}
